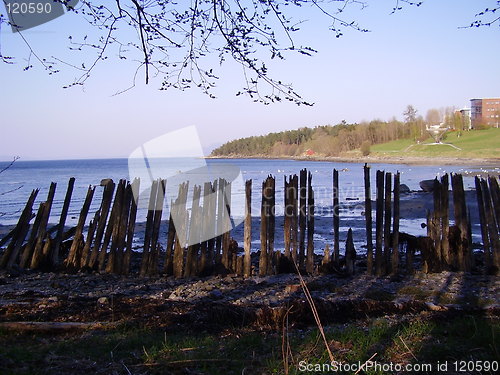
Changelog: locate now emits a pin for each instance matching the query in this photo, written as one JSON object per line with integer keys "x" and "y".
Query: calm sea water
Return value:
{"x": 17, "y": 182}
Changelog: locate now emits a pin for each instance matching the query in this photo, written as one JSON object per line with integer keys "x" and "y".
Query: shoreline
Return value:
{"x": 374, "y": 159}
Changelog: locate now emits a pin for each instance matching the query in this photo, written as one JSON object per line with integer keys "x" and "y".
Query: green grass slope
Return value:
{"x": 472, "y": 144}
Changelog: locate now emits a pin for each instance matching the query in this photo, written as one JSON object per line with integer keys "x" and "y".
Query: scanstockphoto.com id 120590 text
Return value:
{"x": 338, "y": 367}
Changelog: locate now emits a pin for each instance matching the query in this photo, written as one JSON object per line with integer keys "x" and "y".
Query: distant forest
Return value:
{"x": 335, "y": 140}
{"x": 325, "y": 140}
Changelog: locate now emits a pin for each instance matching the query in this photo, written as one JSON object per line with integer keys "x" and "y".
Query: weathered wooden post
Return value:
{"x": 460, "y": 211}
{"x": 294, "y": 234}
{"x": 446, "y": 256}
{"x": 169, "y": 252}
{"x": 90, "y": 237}
{"x": 42, "y": 230}
{"x": 19, "y": 233}
{"x": 395, "y": 228}
{"x": 484, "y": 225}
{"x": 226, "y": 236}
{"x": 495, "y": 197}
{"x": 133, "y": 190}
{"x": 212, "y": 227}
{"x": 74, "y": 256}
{"x": 336, "y": 218}
{"x": 379, "y": 224}
{"x": 155, "y": 244}
{"x": 310, "y": 226}
{"x": 194, "y": 234}
{"x": 220, "y": 220}
{"x": 437, "y": 228}
{"x": 122, "y": 230}
{"x": 263, "y": 259}
{"x": 387, "y": 223}
{"x": 149, "y": 227}
{"x": 302, "y": 216}
{"x": 271, "y": 226}
{"x": 491, "y": 224}
{"x": 107, "y": 197}
{"x": 28, "y": 248}
{"x": 287, "y": 218}
{"x": 180, "y": 229}
{"x": 247, "y": 267}
{"x": 62, "y": 222}
{"x": 326, "y": 256}
{"x": 368, "y": 221}
{"x": 111, "y": 266}
{"x": 115, "y": 211}
{"x": 350, "y": 254}
{"x": 206, "y": 219}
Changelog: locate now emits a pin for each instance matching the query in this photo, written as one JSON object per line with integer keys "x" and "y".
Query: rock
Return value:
{"x": 216, "y": 294}
{"x": 293, "y": 288}
{"x": 404, "y": 189}
{"x": 103, "y": 301}
{"x": 53, "y": 299}
{"x": 427, "y": 185}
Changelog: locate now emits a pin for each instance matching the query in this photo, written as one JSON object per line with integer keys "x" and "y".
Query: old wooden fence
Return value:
{"x": 200, "y": 242}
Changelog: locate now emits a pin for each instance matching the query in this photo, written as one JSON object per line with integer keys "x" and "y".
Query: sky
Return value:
{"x": 418, "y": 56}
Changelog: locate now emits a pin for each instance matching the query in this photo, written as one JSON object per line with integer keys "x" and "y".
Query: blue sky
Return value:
{"x": 417, "y": 56}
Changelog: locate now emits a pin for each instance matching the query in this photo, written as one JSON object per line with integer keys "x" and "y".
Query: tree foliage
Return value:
{"x": 323, "y": 140}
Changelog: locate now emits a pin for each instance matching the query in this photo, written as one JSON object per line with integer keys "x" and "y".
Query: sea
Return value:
{"x": 17, "y": 182}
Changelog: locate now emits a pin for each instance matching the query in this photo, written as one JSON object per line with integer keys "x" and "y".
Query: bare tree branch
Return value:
{"x": 178, "y": 40}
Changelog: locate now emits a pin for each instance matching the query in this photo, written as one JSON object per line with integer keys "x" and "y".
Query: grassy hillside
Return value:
{"x": 473, "y": 144}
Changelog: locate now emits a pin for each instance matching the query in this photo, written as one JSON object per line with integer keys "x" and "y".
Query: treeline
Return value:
{"x": 325, "y": 140}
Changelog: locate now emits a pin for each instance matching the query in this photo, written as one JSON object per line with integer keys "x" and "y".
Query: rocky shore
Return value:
{"x": 227, "y": 300}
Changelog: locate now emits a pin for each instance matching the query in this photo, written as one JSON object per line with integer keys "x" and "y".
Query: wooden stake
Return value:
{"x": 19, "y": 233}
{"x": 446, "y": 256}
{"x": 302, "y": 216}
{"x": 155, "y": 245}
{"x": 263, "y": 259}
{"x": 37, "y": 258}
{"x": 62, "y": 222}
{"x": 28, "y": 249}
{"x": 287, "y": 218}
{"x": 133, "y": 190}
{"x": 387, "y": 223}
{"x": 294, "y": 222}
{"x": 194, "y": 235}
{"x": 247, "y": 267}
{"x": 492, "y": 227}
{"x": 395, "y": 228}
{"x": 350, "y": 254}
{"x": 484, "y": 226}
{"x": 74, "y": 256}
{"x": 113, "y": 261}
{"x": 271, "y": 269}
{"x": 379, "y": 224}
{"x": 336, "y": 218}
{"x": 460, "y": 211}
{"x": 310, "y": 226}
{"x": 368, "y": 221}
{"x": 107, "y": 197}
{"x": 180, "y": 230}
{"x": 149, "y": 228}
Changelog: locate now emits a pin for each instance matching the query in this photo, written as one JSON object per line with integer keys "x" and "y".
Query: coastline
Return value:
{"x": 413, "y": 160}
